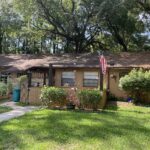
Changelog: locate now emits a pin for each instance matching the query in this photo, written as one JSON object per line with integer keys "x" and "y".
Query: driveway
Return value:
{"x": 16, "y": 112}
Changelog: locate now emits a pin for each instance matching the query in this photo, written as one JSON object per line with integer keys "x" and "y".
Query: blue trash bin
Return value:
{"x": 16, "y": 95}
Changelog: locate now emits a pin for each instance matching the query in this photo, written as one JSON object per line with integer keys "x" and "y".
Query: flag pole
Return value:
{"x": 101, "y": 80}
{"x": 101, "y": 74}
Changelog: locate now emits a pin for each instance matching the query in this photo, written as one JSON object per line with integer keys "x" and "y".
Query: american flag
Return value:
{"x": 103, "y": 64}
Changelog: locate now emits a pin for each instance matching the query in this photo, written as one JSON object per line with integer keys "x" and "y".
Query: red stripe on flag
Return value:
{"x": 103, "y": 64}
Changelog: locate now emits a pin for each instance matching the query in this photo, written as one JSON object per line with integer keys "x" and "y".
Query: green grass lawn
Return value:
{"x": 4, "y": 109}
{"x": 123, "y": 129}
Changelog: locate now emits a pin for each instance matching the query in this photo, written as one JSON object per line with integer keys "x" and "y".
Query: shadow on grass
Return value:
{"x": 114, "y": 108}
{"x": 10, "y": 139}
{"x": 63, "y": 126}
{"x": 143, "y": 109}
{"x": 4, "y": 100}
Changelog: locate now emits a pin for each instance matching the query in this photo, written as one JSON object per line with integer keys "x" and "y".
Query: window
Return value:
{"x": 68, "y": 78}
{"x": 38, "y": 79}
{"x": 3, "y": 78}
{"x": 90, "y": 79}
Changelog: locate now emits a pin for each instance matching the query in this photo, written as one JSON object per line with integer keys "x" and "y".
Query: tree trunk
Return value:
{"x": 77, "y": 46}
{"x": 54, "y": 48}
{"x": 1, "y": 46}
{"x": 66, "y": 50}
{"x": 41, "y": 45}
{"x": 115, "y": 32}
{"x": 1, "y": 42}
{"x": 121, "y": 42}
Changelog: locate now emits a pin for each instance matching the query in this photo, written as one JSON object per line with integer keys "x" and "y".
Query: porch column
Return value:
{"x": 50, "y": 75}
{"x": 44, "y": 80}
{"x": 29, "y": 75}
{"x": 108, "y": 80}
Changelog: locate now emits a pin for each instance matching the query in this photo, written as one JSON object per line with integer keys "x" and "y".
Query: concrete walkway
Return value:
{"x": 16, "y": 112}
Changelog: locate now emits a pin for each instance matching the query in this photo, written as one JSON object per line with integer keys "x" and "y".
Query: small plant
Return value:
{"x": 53, "y": 96}
{"x": 21, "y": 80}
{"x": 3, "y": 89}
{"x": 112, "y": 97}
{"x": 89, "y": 98}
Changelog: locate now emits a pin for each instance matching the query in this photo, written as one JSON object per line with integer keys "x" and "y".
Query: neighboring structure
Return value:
{"x": 68, "y": 70}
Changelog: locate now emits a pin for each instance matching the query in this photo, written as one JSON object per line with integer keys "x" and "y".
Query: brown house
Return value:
{"x": 68, "y": 70}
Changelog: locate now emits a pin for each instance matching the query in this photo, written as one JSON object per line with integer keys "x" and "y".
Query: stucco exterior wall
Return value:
{"x": 79, "y": 75}
{"x": 34, "y": 94}
{"x": 114, "y": 76}
{"x": 114, "y": 82}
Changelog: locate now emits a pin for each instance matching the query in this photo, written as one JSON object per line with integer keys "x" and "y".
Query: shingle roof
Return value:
{"x": 124, "y": 59}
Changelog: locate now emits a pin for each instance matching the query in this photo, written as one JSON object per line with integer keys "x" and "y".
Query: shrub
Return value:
{"x": 51, "y": 96}
{"x": 112, "y": 97}
{"x": 21, "y": 80}
{"x": 3, "y": 89}
{"x": 136, "y": 83}
{"x": 9, "y": 87}
{"x": 89, "y": 98}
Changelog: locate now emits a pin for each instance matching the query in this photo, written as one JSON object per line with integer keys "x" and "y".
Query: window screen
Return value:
{"x": 90, "y": 79}
{"x": 68, "y": 78}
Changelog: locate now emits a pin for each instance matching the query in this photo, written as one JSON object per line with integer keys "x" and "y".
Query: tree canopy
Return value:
{"x": 74, "y": 26}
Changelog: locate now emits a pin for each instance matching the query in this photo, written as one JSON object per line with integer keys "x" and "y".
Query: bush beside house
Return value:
{"x": 5, "y": 90}
{"x": 136, "y": 84}
{"x": 90, "y": 98}
{"x": 52, "y": 97}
